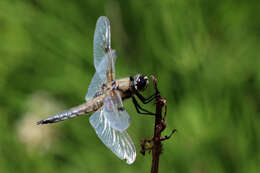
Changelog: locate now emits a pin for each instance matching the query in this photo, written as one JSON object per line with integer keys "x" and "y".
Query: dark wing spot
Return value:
{"x": 106, "y": 49}
{"x": 121, "y": 109}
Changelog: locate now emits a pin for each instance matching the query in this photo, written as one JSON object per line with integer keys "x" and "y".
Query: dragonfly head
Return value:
{"x": 141, "y": 82}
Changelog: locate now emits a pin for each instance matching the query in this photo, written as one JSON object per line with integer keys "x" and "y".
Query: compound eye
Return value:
{"x": 142, "y": 83}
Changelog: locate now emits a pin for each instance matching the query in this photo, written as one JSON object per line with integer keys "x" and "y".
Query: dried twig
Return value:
{"x": 154, "y": 144}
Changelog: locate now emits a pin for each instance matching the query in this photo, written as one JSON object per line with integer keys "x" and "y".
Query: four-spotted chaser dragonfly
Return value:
{"x": 104, "y": 97}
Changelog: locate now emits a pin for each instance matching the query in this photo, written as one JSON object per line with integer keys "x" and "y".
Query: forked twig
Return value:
{"x": 154, "y": 144}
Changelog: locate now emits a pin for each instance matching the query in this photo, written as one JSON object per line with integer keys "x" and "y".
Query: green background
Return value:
{"x": 205, "y": 55}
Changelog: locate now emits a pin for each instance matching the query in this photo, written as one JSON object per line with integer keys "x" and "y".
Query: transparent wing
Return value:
{"x": 104, "y": 57}
{"x": 101, "y": 76}
{"x": 106, "y": 68}
{"x": 120, "y": 143}
{"x": 95, "y": 86}
{"x": 114, "y": 111}
{"x": 102, "y": 40}
{"x": 110, "y": 73}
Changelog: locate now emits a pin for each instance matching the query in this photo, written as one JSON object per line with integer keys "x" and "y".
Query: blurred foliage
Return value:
{"x": 204, "y": 53}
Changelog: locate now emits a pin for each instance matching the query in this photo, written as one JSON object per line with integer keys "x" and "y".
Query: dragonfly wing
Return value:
{"x": 114, "y": 111}
{"x": 102, "y": 45}
{"x": 95, "y": 86}
{"x": 110, "y": 72}
{"x": 106, "y": 68}
{"x": 119, "y": 142}
{"x": 104, "y": 57}
{"x": 101, "y": 76}
{"x": 102, "y": 40}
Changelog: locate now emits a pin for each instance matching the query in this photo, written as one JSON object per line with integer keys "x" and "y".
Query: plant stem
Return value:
{"x": 159, "y": 126}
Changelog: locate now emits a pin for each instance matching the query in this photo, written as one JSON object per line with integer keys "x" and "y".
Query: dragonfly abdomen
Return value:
{"x": 59, "y": 117}
{"x": 89, "y": 107}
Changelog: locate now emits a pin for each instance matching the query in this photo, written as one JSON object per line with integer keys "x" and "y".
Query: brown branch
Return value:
{"x": 159, "y": 126}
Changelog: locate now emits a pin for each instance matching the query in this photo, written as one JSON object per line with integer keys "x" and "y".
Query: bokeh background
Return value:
{"x": 205, "y": 55}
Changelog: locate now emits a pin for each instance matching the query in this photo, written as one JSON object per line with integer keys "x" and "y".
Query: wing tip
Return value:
{"x": 103, "y": 17}
{"x": 130, "y": 161}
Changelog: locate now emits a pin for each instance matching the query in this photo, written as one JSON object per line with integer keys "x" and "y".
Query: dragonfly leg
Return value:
{"x": 139, "y": 108}
{"x": 145, "y": 100}
{"x": 168, "y": 137}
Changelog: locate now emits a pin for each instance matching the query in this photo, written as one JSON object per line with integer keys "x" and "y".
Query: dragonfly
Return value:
{"x": 105, "y": 95}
